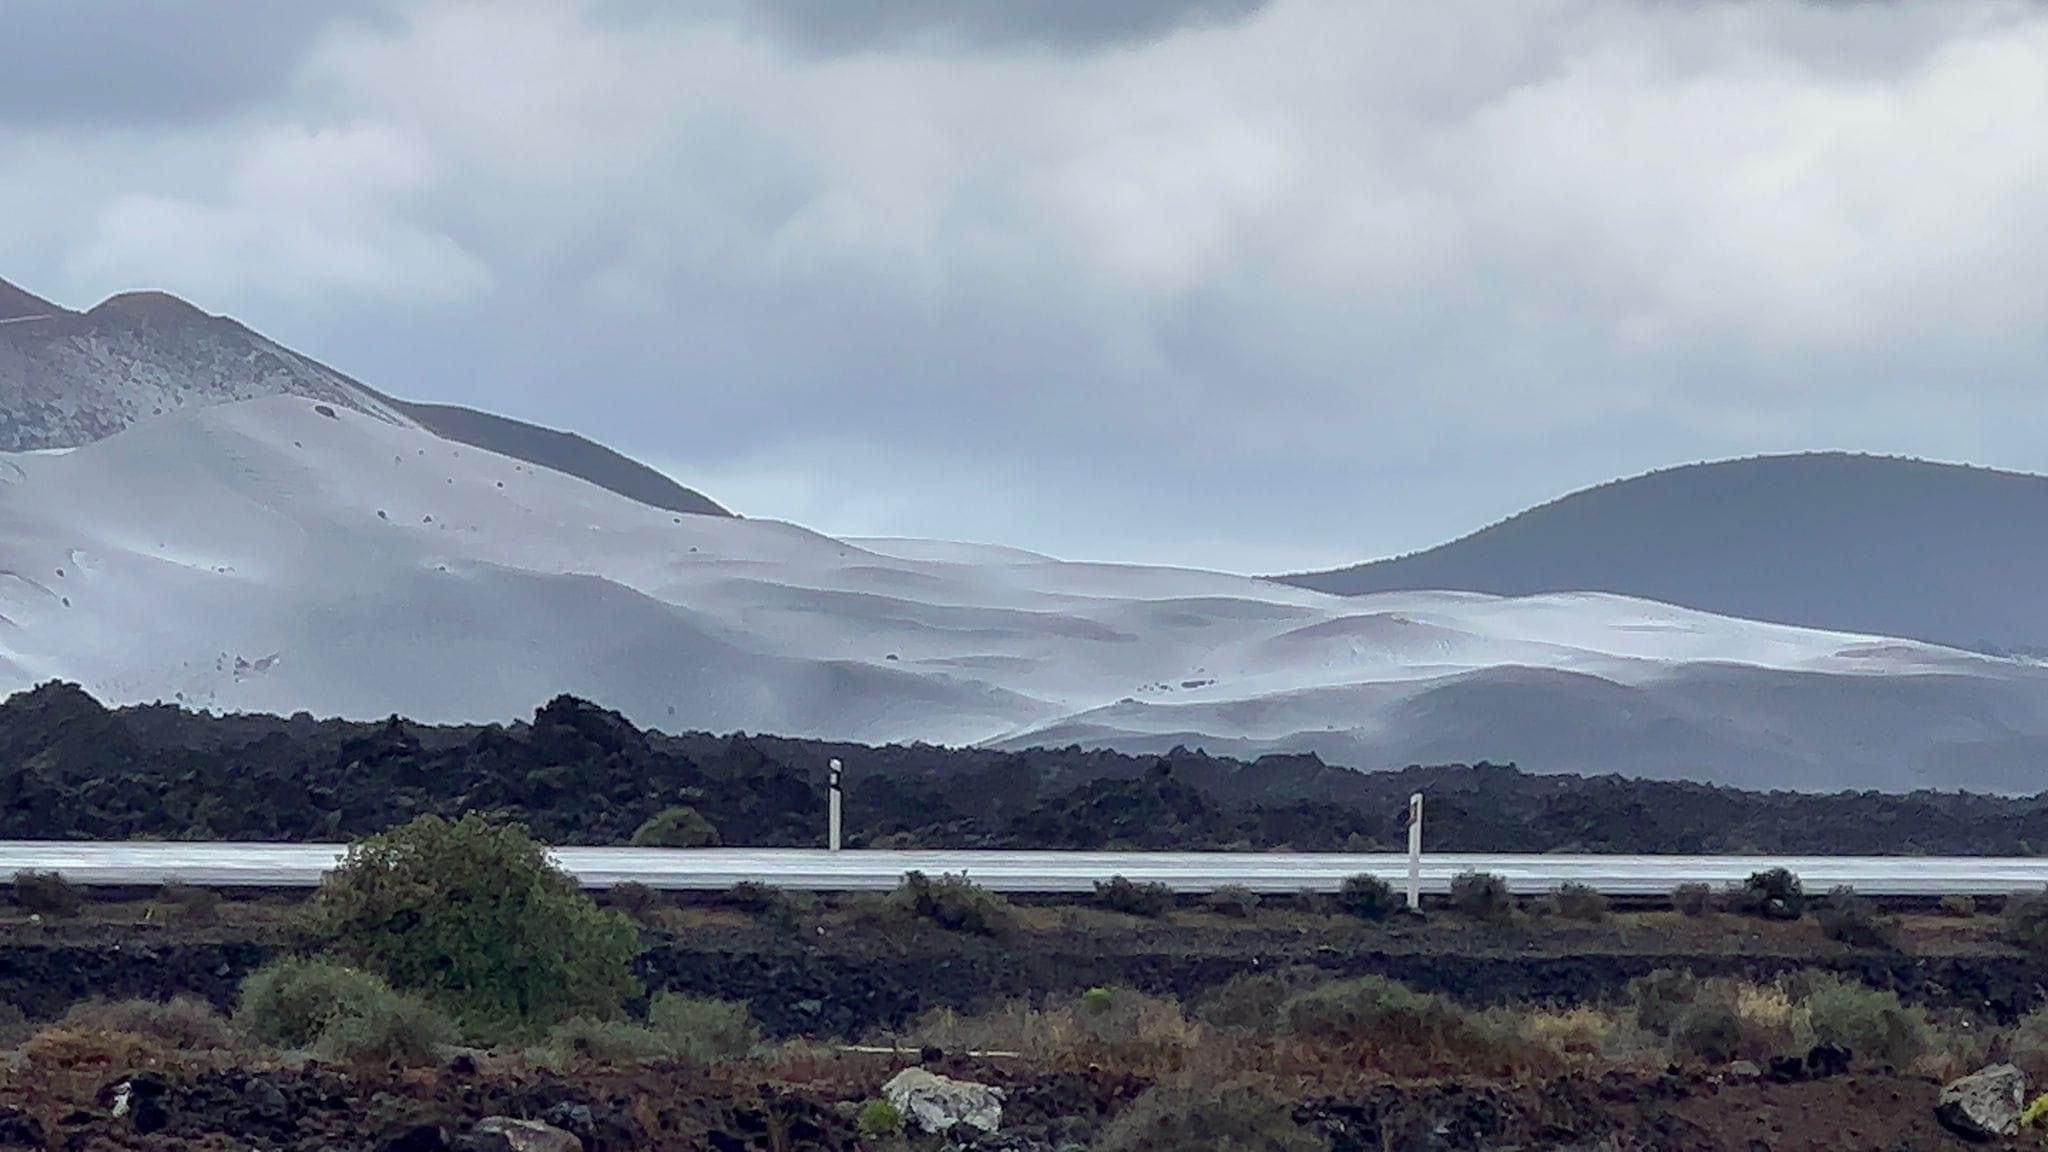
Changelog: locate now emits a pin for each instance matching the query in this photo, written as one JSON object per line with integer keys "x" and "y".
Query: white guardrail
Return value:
{"x": 717, "y": 869}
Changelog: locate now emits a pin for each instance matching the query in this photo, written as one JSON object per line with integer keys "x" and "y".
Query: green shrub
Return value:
{"x": 1852, "y": 920}
{"x": 679, "y": 827}
{"x": 1482, "y": 896}
{"x": 879, "y": 1120}
{"x": 1119, "y": 894}
{"x": 1661, "y": 997}
{"x": 702, "y": 1031}
{"x": 581, "y": 1041}
{"x": 396, "y": 1030}
{"x": 2026, "y": 923}
{"x": 1367, "y": 897}
{"x": 1237, "y": 1115}
{"x": 1254, "y": 1002}
{"x": 1693, "y": 899}
{"x": 1774, "y": 894}
{"x": 1234, "y": 901}
{"x": 47, "y": 894}
{"x": 1960, "y": 907}
{"x": 476, "y": 915}
{"x": 1098, "y": 999}
{"x": 290, "y": 1002}
{"x": 1392, "y": 1019}
{"x": 340, "y": 1013}
{"x": 1579, "y": 902}
{"x": 1708, "y": 1028}
{"x": 1872, "y": 1025}
{"x": 182, "y": 1022}
{"x": 955, "y": 904}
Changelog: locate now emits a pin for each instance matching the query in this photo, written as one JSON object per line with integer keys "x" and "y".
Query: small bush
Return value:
{"x": 1122, "y": 895}
{"x": 679, "y": 827}
{"x": 47, "y": 894}
{"x": 1253, "y": 1003}
{"x": 1960, "y": 907}
{"x": 191, "y": 904}
{"x": 1661, "y": 997}
{"x": 2035, "y": 1112}
{"x": 1693, "y": 899}
{"x": 2026, "y": 923}
{"x": 1239, "y": 1115}
{"x": 1234, "y": 901}
{"x": 1708, "y": 1029}
{"x": 1482, "y": 896}
{"x": 183, "y": 1022}
{"x": 955, "y": 904}
{"x": 581, "y": 1041}
{"x": 291, "y": 1002}
{"x": 1367, "y": 897}
{"x": 1405, "y": 1028}
{"x": 635, "y": 899}
{"x": 1098, "y": 999}
{"x": 67, "y": 1048}
{"x": 396, "y": 1030}
{"x": 879, "y": 1120}
{"x": 1872, "y": 1025}
{"x": 2028, "y": 1045}
{"x": 1775, "y": 894}
{"x": 1580, "y": 902}
{"x": 1580, "y": 1032}
{"x": 764, "y": 902}
{"x": 1852, "y": 920}
{"x": 702, "y": 1031}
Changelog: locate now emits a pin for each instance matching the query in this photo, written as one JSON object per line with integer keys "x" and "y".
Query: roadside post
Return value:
{"x": 1415, "y": 851}
{"x": 832, "y": 825}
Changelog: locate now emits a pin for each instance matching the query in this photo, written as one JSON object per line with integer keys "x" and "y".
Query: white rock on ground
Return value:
{"x": 1985, "y": 1104}
{"x": 526, "y": 1135}
{"x": 938, "y": 1104}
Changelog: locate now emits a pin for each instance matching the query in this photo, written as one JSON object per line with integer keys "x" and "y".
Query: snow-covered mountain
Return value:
{"x": 284, "y": 553}
{"x": 71, "y": 378}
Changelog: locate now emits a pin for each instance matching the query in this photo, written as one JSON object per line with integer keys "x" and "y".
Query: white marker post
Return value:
{"x": 1415, "y": 851}
{"x": 832, "y": 826}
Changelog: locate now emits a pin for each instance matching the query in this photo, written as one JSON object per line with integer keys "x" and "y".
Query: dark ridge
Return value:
{"x": 582, "y": 774}
{"x": 1893, "y": 547}
{"x": 16, "y": 303}
{"x": 561, "y": 451}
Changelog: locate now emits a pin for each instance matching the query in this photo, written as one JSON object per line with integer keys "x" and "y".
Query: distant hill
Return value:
{"x": 69, "y": 379}
{"x": 1852, "y": 543}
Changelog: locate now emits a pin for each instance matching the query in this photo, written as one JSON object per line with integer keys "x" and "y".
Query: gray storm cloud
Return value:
{"x": 1252, "y": 286}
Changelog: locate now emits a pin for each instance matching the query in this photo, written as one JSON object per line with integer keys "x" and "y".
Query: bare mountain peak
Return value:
{"x": 148, "y": 308}
{"x": 21, "y": 304}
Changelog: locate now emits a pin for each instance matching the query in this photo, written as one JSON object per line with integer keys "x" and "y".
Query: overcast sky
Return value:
{"x": 1243, "y": 285}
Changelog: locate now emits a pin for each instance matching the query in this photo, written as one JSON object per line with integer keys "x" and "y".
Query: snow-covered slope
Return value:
{"x": 279, "y": 555}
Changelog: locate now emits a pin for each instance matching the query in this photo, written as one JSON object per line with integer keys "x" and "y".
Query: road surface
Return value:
{"x": 716, "y": 869}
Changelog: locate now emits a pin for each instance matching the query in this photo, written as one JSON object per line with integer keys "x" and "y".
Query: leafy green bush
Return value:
{"x": 1854, "y": 921}
{"x": 1579, "y": 902}
{"x": 1239, "y": 1115}
{"x": 1693, "y": 899}
{"x": 475, "y": 915}
{"x": 1119, "y": 894}
{"x": 1774, "y": 894}
{"x": 1482, "y": 896}
{"x": 397, "y": 1029}
{"x": 955, "y": 904}
{"x": 879, "y": 1120}
{"x": 48, "y": 894}
{"x": 1234, "y": 901}
{"x": 679, "y": 827}
{"x": 1367, "y": 897}
{"x": 1871, "y": 1024}
{"x": 1098, "y": 999}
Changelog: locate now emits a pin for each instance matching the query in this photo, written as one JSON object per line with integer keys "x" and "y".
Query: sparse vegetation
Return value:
{"x": 1872, "y": 1024}
{"x": 1368, "y": 897}
{"x": 1579, "y": 902}
{"x": 1398, "y": 1027}
{"x": 1234, "y": 901}
{"x": 879, "y": 1120}
{"x": 1852, "y": 920}
{"x": 47, "y": 894}
{"x": 340, "y": 1013}
{"x": 679, "y": 827}
{"x": 1191, "y": 1113}
{"x": 182, "y": 1022}
{"x": 955, "y": 904}
{"x": 2026, "y": 923}
{"x": 1959, "y": 907}
{"x": 1482, "y": 896}
{"x": 190, "y": 904}
{"x": 1119, "y": 894}
{"x": 1693, "y": 899}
